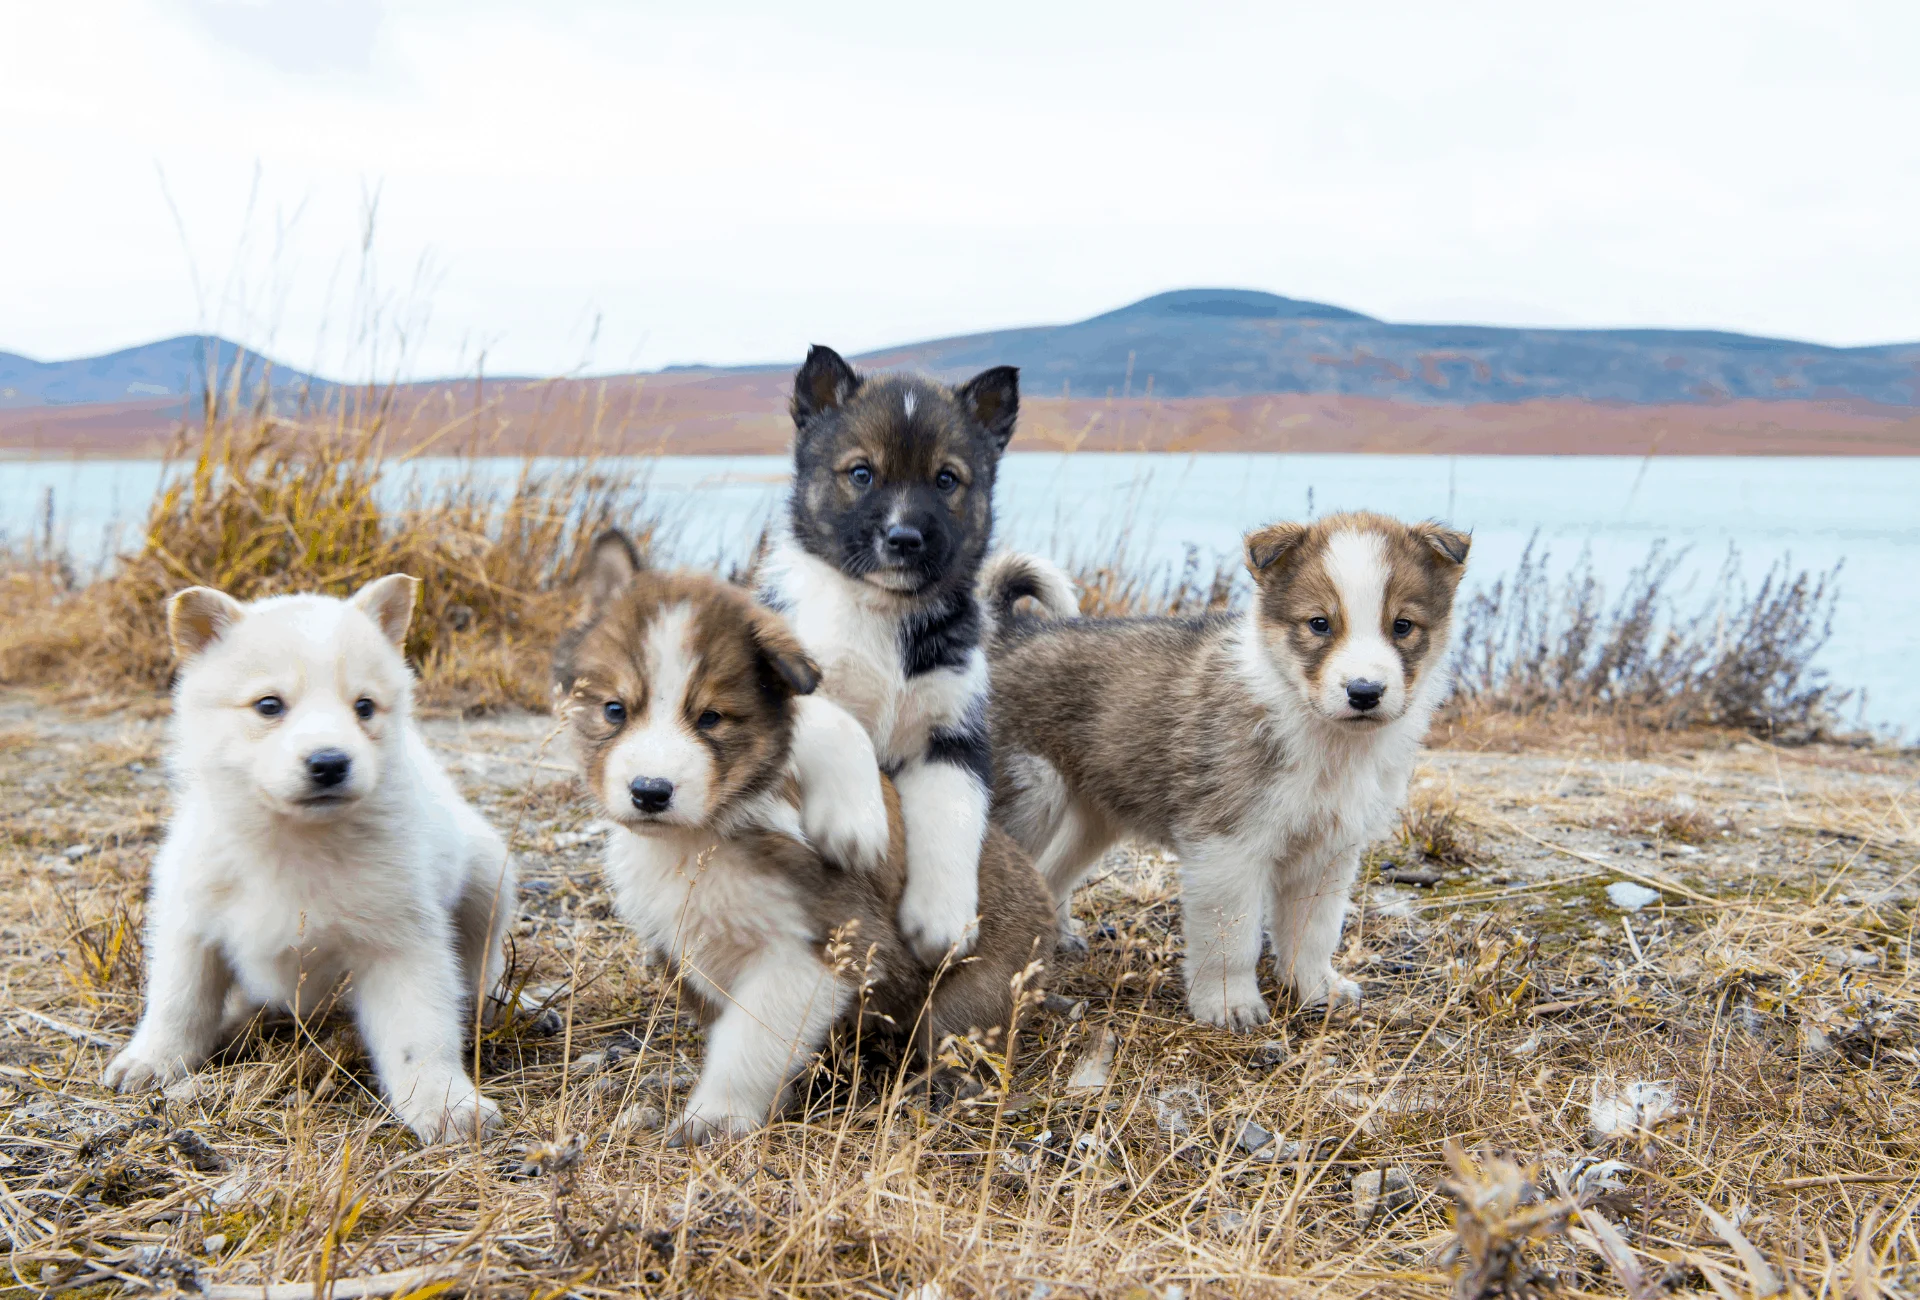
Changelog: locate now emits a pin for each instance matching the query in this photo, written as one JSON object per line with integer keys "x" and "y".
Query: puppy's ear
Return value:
{"x": 993, "y": 398}
{"x": 782, "y": 651}
{"x": 824, "y": 382}
{"x": 1266, "y": 546}
{"x": 199, "y": 616}
{"x": 388, "y": 602}
{"x": 1449, "y": 543}
{"x": 612, "y": 562}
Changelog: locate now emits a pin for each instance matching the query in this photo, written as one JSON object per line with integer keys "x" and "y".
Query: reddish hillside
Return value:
{"x": 734, "y": 412}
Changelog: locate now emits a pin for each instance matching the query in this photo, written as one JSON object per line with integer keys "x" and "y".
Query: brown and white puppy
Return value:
{"x": 1265, "y": 748}
{"x": 696, "y": 731}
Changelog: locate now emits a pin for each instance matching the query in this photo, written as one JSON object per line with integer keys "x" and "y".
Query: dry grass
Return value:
{"x": 263, "y": 506}
{"x": 1498, "y": 1005}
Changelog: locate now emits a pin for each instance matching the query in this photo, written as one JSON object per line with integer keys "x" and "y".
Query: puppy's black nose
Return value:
{"x": 651, "y": 794}
{"x": 1363, "y": 694}
{"x": 904, "y": 541}
{"x": 328, "y": 767}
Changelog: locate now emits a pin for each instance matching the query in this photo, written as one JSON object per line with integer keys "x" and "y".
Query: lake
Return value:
{"x": 1862, "y": 513}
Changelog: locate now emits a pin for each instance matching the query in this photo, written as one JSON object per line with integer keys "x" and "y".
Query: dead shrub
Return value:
{"x": 1742, "y": 659}
{"x": 263, "y": 506}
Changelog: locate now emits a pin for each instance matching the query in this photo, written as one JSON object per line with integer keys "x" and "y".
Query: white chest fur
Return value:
{"x": 702, "y": 901}
{"x": 853, "y": 633}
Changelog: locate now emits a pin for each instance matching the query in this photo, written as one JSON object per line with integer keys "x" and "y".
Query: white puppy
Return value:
{"x": 315, "y": 841}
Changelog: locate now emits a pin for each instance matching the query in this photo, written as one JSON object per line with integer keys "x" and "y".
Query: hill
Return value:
{"x": 1238, "y": 343}
{"x": 176, "y": 367}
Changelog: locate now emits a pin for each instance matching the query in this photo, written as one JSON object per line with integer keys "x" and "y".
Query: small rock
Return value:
{"x": 926, "y": 1291}
{"x": 215, "y": 1243}
{"x": 1071, "y": 1008}
{"x": 1269, "y": 1054}
{"x": 1631, "y": 896}
{"x": 198, "y": 1152}
{"x": 1096, "y": 1067}
{"x": 1421, "y": 876}
{"x": 1380, "y": 1194}
{"x": 642, "y": 1117}
{"x": 1851, "y": 958}
{"x": 1643, "y": 1105}
{"x": 1172, "y": 1106}
{"x": 1252, "y": 1138}
{"x": 75, "y": 852}
{"x": 1228, "y": 1223}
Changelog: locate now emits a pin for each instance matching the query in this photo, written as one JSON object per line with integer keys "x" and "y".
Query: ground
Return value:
{"x": 1742, "y": 1048}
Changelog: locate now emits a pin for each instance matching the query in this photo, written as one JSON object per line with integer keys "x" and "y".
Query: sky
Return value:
{"x": 377, "y": 189}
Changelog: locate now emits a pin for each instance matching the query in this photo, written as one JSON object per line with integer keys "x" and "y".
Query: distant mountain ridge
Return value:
{"x": 176, "y": 367}
{"x": 1239, "y": 342}
{"x": 1225, "y": 343}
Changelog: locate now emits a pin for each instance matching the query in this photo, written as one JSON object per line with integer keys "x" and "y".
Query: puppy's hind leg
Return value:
{"x": 776, "y": 1015}
{"x": 1079, "y": 837}
{"x": 1223, "y": 903}
{"x": 1307, "y": 907}
{"x": 482, "y": 916}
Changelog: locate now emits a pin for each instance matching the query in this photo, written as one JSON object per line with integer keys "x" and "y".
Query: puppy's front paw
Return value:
{"x": 1072, "y": 941}
{"x": 1337, "y": 994}
{"x": 465, "y": 1116}
{"x": 138, "y": 1067}
{"x": 848, "y": 826}
{"x": 694, "y": 1130}
{"x": 1235, "y": 1008}
{"x": 938, "y": 925}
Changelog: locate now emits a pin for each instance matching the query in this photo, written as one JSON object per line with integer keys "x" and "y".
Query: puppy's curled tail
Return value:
{"x": 1007, "y": 576}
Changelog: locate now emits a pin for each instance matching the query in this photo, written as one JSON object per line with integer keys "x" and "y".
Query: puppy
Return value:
{"x": 1264, "y": 748}
{"x": 875, "y": 566}
{"x": 315, "y": 844}
{"x": 692, "y": 722}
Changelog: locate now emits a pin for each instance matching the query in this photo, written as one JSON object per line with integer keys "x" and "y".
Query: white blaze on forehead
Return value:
{"x": 906, "y": 404}
{"x": 660, "y": 743}
{"x": 1357, "y": 564}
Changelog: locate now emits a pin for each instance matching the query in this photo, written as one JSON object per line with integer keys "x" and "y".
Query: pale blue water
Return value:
{"x": 1817, "y": 511}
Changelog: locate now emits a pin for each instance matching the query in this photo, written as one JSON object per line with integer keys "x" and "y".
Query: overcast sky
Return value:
{"x": 571, "y": 187}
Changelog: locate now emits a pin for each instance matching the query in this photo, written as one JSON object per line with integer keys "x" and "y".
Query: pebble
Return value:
{"x": 215, "y": 1243}
{"x": 1631, "y": 896}
{"x": 1096, "y": 1067}
{"x": 1252, "y": 1138}
{"x": 1380, "y": 1194}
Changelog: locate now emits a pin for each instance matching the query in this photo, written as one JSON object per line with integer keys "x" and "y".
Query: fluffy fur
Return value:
{"x": 1265, "y": 748}
{"x": 875, "y": 566}
{"x": 681, "y": 681}
{"x": 317, "y": 850}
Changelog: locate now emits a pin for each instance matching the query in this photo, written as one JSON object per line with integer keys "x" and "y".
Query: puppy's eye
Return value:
{"x": 861, "y": 476}
{"x": 1320, "y": 626}
{"x": 269, "y": 706}
{"x": 946, "y": 480}
{"x": 615, "y": 712}
{"x": 707, "y": 721}
{"x": 1402, "y": 627}
{"x": 363, "y": 708}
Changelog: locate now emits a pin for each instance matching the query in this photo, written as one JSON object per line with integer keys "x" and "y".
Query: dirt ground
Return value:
{"x": 1716, "y": 1091}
